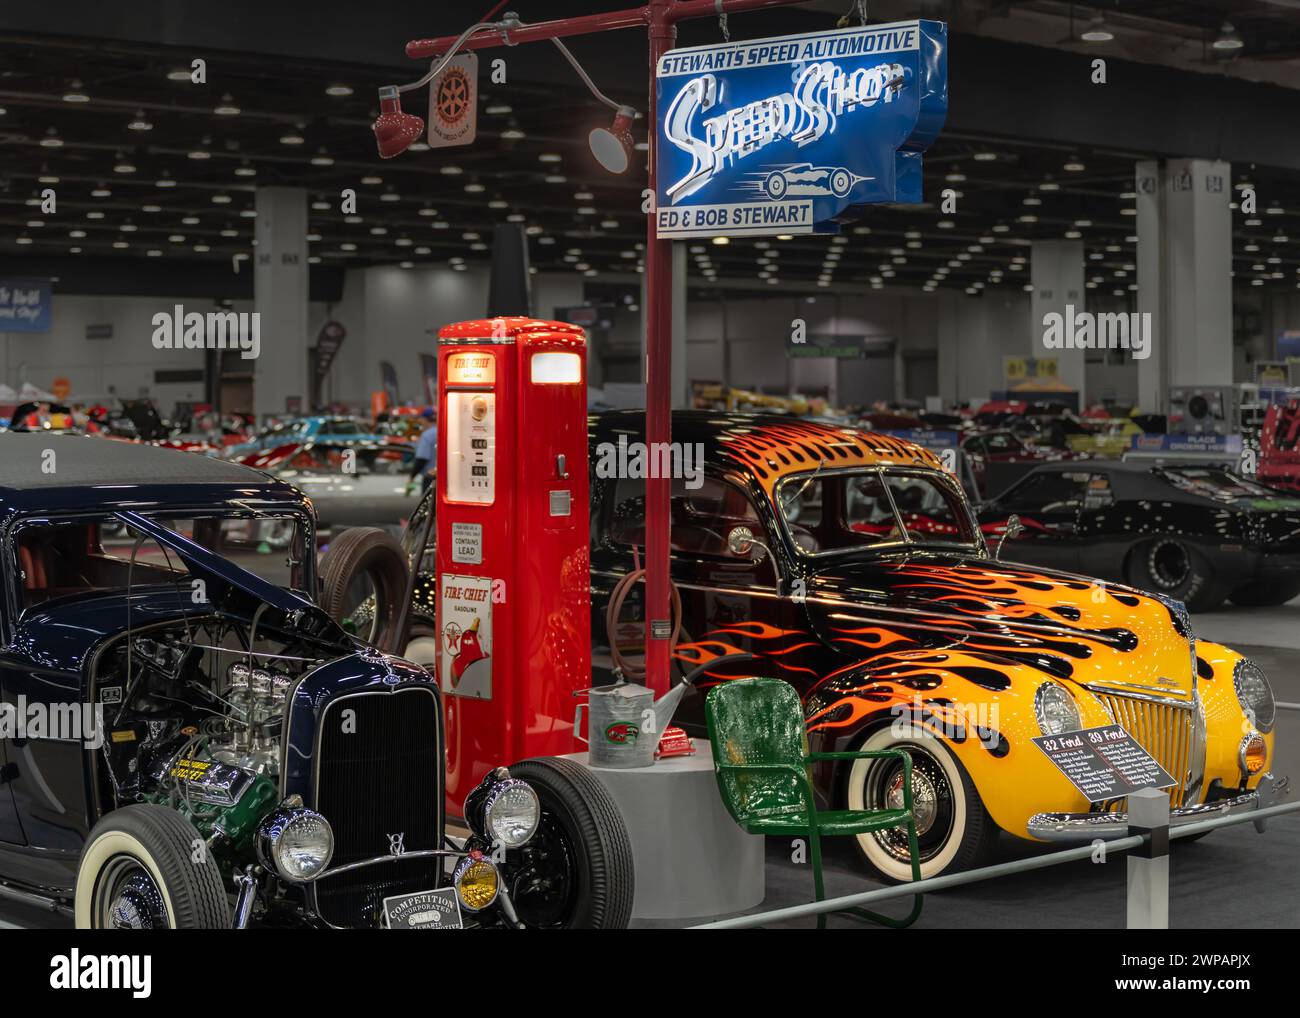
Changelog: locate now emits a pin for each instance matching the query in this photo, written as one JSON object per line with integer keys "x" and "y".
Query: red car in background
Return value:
{"x": 1279, "y": 447}
{"x": 999, "y": 458}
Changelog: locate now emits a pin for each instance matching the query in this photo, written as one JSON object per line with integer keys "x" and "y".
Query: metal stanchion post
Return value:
{"x": 1148, "y": 865}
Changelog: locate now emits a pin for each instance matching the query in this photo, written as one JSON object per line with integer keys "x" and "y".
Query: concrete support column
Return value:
{"x": 1184, "y": 229}
{"x": 1056, "y": 271}
{"x": 280, "y": 298}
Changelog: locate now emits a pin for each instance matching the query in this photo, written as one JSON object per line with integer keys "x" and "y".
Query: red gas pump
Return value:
{"x": 514, "y": 602}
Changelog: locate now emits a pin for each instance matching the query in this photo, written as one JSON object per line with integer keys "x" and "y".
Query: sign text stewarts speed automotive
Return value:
{"x": 788, "y": 135}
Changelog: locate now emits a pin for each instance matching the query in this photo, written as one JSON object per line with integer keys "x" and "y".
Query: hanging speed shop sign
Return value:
{"x": 453, "y": 103}
{"x": 793, "y": 134}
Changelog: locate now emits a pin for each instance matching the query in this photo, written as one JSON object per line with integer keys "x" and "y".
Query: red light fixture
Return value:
{"x": 395, "y": 131}
{"x": 612, "y": 147}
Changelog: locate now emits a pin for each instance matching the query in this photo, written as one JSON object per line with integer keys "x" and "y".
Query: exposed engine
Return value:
{"x": 194, "y": 721}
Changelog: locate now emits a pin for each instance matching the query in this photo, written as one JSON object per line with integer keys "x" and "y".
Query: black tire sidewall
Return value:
{"x": 1200, "y": 591}
{"x": 359, "y": 550}
{"x": 590, "y": 818}
{"x": 195, "y": 891}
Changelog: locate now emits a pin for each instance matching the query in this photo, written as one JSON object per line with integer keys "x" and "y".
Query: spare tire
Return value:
{"x": 576, "y": 871}
{"x": 363, "y": 581}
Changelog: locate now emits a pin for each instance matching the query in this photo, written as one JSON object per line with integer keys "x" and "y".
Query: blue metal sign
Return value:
{"x": 792, "y": 134}
{"x": 25, "y": 305}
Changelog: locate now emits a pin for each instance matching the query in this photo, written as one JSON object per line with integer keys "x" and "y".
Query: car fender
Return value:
{"x": 1226, "y": 723}
{"x": 990, "y": 730}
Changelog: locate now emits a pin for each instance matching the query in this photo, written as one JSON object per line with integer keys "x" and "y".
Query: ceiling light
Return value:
{"x": 1073, "y": 165}
{"x": 338, "y": 90}
{"x": 1097, "y": 31}
{"x": 451, "y": 170}
{"x": 390, "y": 196}
{"x": 139, "y": 123}
{"x": 244, "y": 170}
{"x": 291, "y": 137}
{"x": 474, "y": 187}
{"x": 51, "y": 139}
{"x": 198, "y": 154}
{"x": 322, "y": 158}
{"x": 164, "y": 182}
{"x": 100, "y": 191}
{"x": 548, "y": 157}
{"x": 1227, "y": 41}
{"x": 75, "y": 94}
{"x": 227, "y": 107}
{"x": 555, "y": 178}
{"x": 496, "y": 109}
{"x": 513, "y": 134}
{"x": 179, "y": 74}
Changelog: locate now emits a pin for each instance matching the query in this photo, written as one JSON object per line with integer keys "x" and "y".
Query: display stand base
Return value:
{"x": 691, "y": 859}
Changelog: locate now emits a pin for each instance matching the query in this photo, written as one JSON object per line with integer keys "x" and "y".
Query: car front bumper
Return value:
{"x": 1107, "y": 826}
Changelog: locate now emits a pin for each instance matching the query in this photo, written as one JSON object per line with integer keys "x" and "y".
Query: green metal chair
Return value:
{"x": 761, "y": 758}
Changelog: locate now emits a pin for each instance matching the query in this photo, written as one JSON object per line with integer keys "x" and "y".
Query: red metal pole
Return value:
{"x": 658, "y": 389}
{"x": 661, "y": 17}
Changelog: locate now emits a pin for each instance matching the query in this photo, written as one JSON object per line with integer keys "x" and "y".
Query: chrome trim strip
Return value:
{"x": 1142, "y": 693}
{"x": 379, "y": 859}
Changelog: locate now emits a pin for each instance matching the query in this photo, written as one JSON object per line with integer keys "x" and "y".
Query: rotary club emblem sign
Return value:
{"x": 453, "y": 103}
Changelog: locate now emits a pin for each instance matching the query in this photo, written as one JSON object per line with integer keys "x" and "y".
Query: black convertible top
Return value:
{"x": 84, "y": 461}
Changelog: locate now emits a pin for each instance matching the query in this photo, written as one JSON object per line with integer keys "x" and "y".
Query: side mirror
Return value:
{"x": 1013, "y": 529}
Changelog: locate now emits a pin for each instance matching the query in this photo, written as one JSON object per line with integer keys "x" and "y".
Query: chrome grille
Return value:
{"x": 1165, "y": 730}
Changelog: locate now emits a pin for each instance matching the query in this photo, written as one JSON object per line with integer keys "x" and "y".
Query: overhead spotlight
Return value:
{"x": 612, "y": 146}
{"x": 1227, "y": 41}
{"x": 51, "y": 139}
{"x": 292, "y": 137}
{"x": 338, "y": 90}
{"x": 1074, "y": 165}
{"x": 395, "y": 131}
{"x": 139, "y": 123}
{"x": 75, "y": 93}
{"x": 227, "y": 107}
{"x": 1097, "y": 30}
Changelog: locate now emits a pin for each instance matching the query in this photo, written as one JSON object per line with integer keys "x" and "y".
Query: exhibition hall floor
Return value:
{"x": 1234, "y": 878}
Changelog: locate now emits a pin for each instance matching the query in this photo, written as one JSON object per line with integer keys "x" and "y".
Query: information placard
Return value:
{"x": 1104, "y": 763}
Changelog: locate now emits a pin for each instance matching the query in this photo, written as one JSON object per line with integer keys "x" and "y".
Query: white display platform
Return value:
{"x": 691, "y": 858}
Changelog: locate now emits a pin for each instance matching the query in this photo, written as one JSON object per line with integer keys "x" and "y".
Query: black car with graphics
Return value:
{"x": 187, "y": 743}
{"x": 1198, "y": 533}
{"x": 850, "y": 564}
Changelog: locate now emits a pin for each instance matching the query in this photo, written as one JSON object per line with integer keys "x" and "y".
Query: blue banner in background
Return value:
{"x": 26, "y": 305}
{"x": 788, "y": 135}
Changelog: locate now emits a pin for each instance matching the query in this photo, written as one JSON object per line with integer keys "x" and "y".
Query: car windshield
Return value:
{"x": 849, "y": 510}
{"x": 69, "y": 557}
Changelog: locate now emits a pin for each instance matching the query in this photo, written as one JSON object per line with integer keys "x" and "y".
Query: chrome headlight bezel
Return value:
{"x": 511, "y": 813}
{"x": 276, "y": 834}
{"x": 1054, "y": 696}
{"x": 1260, "y": 706}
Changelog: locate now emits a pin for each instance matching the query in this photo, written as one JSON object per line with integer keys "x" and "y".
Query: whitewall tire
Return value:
{"x": 953, "y": 828}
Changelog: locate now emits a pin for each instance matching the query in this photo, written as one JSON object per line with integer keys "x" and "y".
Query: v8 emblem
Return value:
{"x": 397, "y": 843}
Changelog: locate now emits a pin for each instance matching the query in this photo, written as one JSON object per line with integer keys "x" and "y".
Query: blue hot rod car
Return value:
{"x": 185, "y": 743}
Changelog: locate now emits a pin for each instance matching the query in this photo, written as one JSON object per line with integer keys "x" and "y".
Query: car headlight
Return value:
{"x": 1254, "y": 693}
{"x": 1056, "y": 710}
{"x": 511, "y": 813}
{"x": 297, "y": 843}
{"x": 476, "y": 882}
